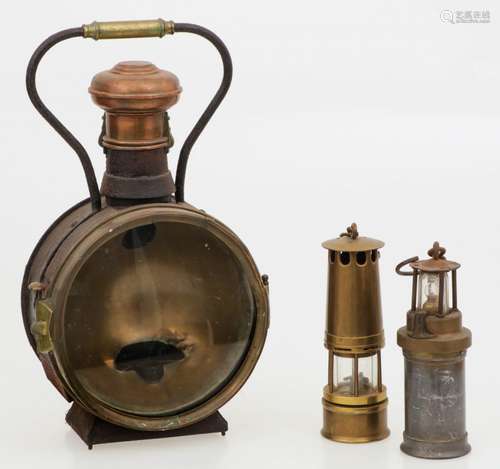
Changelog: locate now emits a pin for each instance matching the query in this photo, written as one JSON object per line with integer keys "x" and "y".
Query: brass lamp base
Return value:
{"x": 355, "y": 424}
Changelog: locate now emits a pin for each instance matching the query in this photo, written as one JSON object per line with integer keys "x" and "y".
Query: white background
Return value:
{"x": 368, "y": 111}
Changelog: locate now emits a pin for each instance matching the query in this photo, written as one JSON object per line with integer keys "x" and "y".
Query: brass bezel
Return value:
{"x": 91, "y": 234}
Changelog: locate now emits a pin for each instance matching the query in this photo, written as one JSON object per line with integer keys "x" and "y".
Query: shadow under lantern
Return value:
{"x": 354, "y": 400}
{"x": 434, "y": 345}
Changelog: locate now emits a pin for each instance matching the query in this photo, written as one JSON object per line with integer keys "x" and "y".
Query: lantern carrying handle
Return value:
{"x": 121, "y": 30}
{"x": 406, "y": 262}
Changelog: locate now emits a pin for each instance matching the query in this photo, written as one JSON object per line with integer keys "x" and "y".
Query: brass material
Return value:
{"x": 128, "y": 29}
{"x": 348, "y": 244}
{"x": 443, "y": 335}
{"x": 145, "y": 312}
{"x": 355, "y": 405}
{"x": 40, "y": 328}
{"x": 37, "y": 286}
{"x": 380, "y": 386}
{"x": 349, "y": 424}
{"x": 351, "y": 232}
{"x": 373, "y": 397}
{"x": 434, "y": 344}
{"x": 135, "y": 96}
{"x": 201, "y": 323}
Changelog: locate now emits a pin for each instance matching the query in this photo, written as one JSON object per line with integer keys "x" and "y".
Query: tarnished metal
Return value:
{"x": 175, "y": 248}
{"x": 40, "y": 326}
{"x": 434, "y": 346}
{"x": 77, "y": 146}
{"x": 145, "y": 311}
{"x": 127, "y": 29}
{"x": 135, "y": 96}
{"x": 355, "y": 400}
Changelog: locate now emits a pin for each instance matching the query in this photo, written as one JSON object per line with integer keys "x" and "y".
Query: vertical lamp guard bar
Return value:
{"x": 330, "y": 370}
{"x": 379, "y": 371}
{"x": 441, "y": 294}
{"x": 120, "y": 30}
{"x": 454, "y": 290}
{"x": 355, "y": 375}
{"x": 414, "y": 290}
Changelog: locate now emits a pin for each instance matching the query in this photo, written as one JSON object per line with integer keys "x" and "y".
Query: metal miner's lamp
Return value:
{"x": 354, "y": 400}
{"x": 146, "y": 312}
{"x": 434, "y": 345}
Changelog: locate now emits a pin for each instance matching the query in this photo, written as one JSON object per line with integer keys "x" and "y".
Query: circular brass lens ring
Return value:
{"x": 93, "y": 234}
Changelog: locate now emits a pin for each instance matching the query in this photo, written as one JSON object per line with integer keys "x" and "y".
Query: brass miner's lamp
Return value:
{"x": 146, "y": 312}
{"x": 434, "y": 345}
{"x": 354, "y": 400}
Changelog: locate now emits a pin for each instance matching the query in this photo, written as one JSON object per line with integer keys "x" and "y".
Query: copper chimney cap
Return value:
{"x": 135, "y": 96}
{"x": 135, "y": 85}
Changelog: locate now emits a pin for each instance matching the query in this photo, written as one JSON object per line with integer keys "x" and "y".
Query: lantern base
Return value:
{"x": 94, "y": 431}
{"x": 355, "y": 424}
{"x": 435, "y": 450}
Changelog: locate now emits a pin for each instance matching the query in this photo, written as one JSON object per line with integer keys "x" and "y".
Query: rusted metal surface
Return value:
{"x": 94, "y": 431}
{"x": 135, "y": 97}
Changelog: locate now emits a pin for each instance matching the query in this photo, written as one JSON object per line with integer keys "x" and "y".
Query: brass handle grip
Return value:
{"x": 128, "y": 29}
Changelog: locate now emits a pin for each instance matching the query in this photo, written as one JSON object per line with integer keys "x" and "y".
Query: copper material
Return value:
{"x": 146, "y": 312}
{"x": 135, "y": 96}
{"x": 434, "y": 346}
{"x": 128, "y": 29}
{"x": 136, "y": 134}
{"x": 355, "y": 400}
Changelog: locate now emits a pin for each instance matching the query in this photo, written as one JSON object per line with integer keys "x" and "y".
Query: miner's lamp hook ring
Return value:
{"x": 406, "y": 262}
{"x": 437, "y": 251}
{"x": 351, "y": 231}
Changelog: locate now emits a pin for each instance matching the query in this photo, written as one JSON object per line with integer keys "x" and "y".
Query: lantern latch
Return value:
{"x": 41, "y": 327}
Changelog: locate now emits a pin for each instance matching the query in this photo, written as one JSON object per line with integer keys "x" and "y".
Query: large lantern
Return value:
{"x": 434, "y": 345}
{"x": 355, "y": 399}
{"x": 146, "y": 312}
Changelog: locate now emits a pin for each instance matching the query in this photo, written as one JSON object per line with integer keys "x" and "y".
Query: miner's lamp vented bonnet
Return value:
{"x": 355, "y": 399}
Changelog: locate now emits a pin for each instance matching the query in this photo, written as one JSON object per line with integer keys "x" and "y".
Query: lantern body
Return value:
{"x": 354, "y": 400}
{"x": 434, "y": 347}
{"x": 145, "y": 312}
{"x": 146, "y": 329}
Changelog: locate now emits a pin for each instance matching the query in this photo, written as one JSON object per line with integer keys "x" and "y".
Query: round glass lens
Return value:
{"x": 158, "y": 319}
